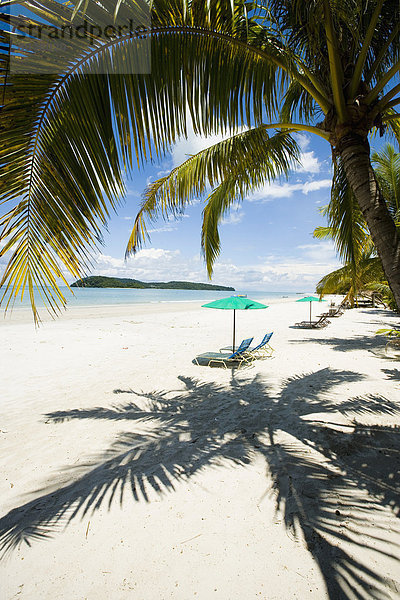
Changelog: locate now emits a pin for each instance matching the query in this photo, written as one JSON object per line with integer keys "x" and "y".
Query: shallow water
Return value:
{"x": 118, "y": 296}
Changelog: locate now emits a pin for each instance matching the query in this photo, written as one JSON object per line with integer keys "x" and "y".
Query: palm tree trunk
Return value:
{"x": 354, "y": 151}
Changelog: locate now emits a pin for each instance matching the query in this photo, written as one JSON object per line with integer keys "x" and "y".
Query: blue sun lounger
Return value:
{"x": 264, "y": 349}
{"x": 228, "y": 359}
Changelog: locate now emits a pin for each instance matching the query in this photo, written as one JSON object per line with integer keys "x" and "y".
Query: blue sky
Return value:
{"x": 267, "y": 242}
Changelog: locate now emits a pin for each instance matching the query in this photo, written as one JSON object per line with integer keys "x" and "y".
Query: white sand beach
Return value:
{"x": 129, "y": 472}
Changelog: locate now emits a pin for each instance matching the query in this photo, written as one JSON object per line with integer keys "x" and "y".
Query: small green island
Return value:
{"x": 98, "y": 281}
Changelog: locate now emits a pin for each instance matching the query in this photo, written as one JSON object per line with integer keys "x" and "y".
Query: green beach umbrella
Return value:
{"x": 310, "y": 299}
{"x": 234, "y": 303}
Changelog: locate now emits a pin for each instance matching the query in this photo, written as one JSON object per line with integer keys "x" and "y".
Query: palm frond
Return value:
{"x": 67, "y": 196}
{"x": 280, "y": 152}
{"x": 365, "y": 47}
{"x": 392, "y": 128}
{"x": 340, "y": 279}
{"x": 169, "y": 195}
{"x": 236, "y": 165}
{"x": 345, "y": 221}
{"x": 323, "y": 233}
{"x": 297, "y": 104}
{"x": 351, "y": 279}
{"x": 384, "y": 49}
{"x": 387, "y": 170}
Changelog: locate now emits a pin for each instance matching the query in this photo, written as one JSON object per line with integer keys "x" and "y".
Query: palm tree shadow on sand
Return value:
{"x": 330, "y": 480}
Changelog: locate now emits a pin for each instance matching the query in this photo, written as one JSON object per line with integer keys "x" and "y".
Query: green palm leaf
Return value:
{"x": 239, "y": 164}
{"x": 346, "y": 224}
{"x": 387, "y": 168}
{"x": 253, "y": 170}
{"x": 353, "y": 279}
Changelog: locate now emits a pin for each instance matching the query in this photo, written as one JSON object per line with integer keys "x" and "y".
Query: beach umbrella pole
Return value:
{"x": 234, "y": 321}
{"x": 310, "y": 299}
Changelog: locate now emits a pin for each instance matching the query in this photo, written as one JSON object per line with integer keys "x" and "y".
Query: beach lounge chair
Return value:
{"x": 332, "y": 312}
{"x": 229, "y": 359}
{"x": 264, "y": 349}
{"x": 322, "y": 322}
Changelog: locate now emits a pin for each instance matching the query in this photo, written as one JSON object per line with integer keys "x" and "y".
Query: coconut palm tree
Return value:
{"x": 348, "y": 229}
{"x": 240, "y": 68}
{"x": 351, "y": 280}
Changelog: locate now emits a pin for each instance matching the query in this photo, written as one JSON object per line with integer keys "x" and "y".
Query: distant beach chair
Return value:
{"x": 235, "y": 359}
{"x": 392, "y": 348}
{"x": 322, "y": 322}
{"x": 264, "y": 348}
{"x": 363, "y": 302}
{"x": 332, "y": 312}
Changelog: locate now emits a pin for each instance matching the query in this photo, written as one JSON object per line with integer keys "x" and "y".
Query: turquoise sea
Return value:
{"x": 117, "y": 296}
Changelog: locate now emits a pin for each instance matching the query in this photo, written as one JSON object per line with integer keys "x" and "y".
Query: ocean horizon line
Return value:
{"x": 92, "y": 297}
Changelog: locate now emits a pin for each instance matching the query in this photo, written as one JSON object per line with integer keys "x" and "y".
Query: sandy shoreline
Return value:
{"x": 154, "y": 478}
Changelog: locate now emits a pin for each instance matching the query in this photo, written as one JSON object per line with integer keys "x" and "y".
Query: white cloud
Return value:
{"x": 233, "y": 218}
{"x": 142, "y": 257}
{"x": 309, "y": 163}
{"x": 185, "y": 148}
{"x": 133, "y": 193}
{"x": 162, "y": 229}
{"x": 298, "y": 272}
{"x": 304, "y": 268}
{"x": 150, "y": 254}
{"x": 171, "y": 224}
{"x": 272, "y": 190}
{"x": 313, "y": 186}
{"x": 320, "y": 252}
{"x": 4, "y": 241}
{"x": 303, "y": 140}
{"x": 152, "y": 264}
